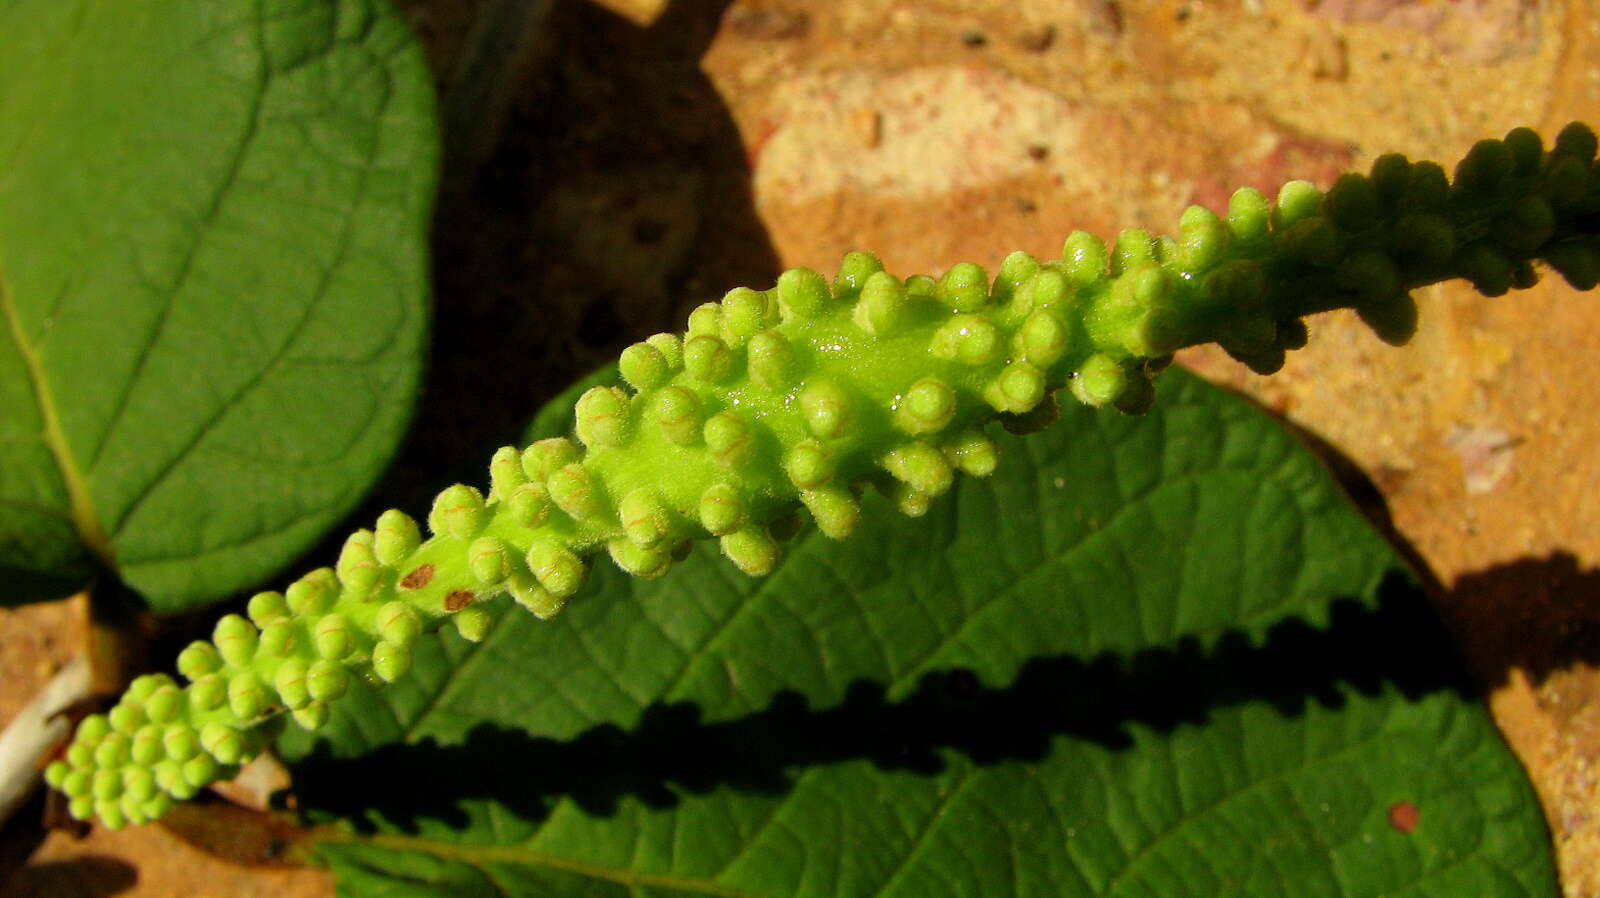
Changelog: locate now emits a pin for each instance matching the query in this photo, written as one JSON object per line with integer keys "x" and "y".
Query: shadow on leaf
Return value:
{"x": 1396, "y": 644}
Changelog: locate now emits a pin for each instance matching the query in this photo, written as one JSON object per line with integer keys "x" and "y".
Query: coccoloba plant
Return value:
{"x": 800, "y": 396}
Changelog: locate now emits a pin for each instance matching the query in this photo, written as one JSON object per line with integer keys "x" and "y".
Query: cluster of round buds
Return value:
{"x": 802, "y": 396}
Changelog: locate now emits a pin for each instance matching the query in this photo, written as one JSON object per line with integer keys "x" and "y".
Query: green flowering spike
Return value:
{"x": 827, "y": 409}
{"x": 602, "y": 416}
{"x": 545, "y": 457}
{"x": 290, "y": 683}
{"x": 471, "y": 622}
{"x": 853, "y": 273}
{"x": 963, "y": 288}
{"x": 199, "y": 659}
{"x": 835, "y": 510}
{"x": 397, "y": 623}
{"x": 968, "y": 339}
{"x": 707, "y": 359}
{"x": 752, "y": 550}
{"x": 575, "y": 492}
{"x": 556, "y": 568}
{"x": 489, "y": 560}
{"x": 882, "y": 306}
{"x": 809, "y": 464}
{"x": 529, "y": 505}
{"x": 677, "y": 411}
{"x": 731, "y": 441}
{"x": 721, "y": 509}
{"x": 395, "y": 537}
{"x": 745, "y": 312}
{"x": 771, "y": 361}
{"x": 927, "y": 406}
{"x": 638, "y": 561}
{"x": 921, "y": 467}
{"x": 802, "y": 294}
{"x": 879, "y": 383}
{"x": 1015, "y": 271}
{"x": 1248, "y": 214}
{"x": 1083, "y": 258}
{"x": 458, "y": 511}
{"x": 1018, "y": 388}
{"x": 505, "y": 473}
{"x": 706, "y": 319}
{"x": 390, "y": 662}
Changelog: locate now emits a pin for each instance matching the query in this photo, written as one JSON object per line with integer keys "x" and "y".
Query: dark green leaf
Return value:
{"x": 212, "y": 271}
{"x": 1158, "y": 656}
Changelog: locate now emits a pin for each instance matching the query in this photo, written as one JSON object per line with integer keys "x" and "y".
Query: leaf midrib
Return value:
{"x": 80, "y": 504}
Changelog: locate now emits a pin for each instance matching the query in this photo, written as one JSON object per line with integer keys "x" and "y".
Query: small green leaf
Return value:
{"x": 212, "y": 274}
{"x": 1157, "y": 656}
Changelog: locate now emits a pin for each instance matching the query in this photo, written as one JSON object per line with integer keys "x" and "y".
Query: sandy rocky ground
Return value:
{"x": 607, "y": 175}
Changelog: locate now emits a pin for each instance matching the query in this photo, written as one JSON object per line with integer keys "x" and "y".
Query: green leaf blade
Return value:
{"x": 1149, "y": 657}
{"x": 212, "y": 224}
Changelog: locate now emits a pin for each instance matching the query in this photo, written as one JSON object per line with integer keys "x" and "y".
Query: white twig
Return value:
{"x": 34, "y": 732}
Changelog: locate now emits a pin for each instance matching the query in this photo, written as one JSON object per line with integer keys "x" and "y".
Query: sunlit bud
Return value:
{"x": 395, "y": 537}
{"x": 721, "y": 509}
{"x": 602, "y": 416}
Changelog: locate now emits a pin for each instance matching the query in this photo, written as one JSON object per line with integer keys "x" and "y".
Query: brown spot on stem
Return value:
{"x": 417, "y": 578}
{"x": 1404, "y": 816}
{"x": 458, "y": 600}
